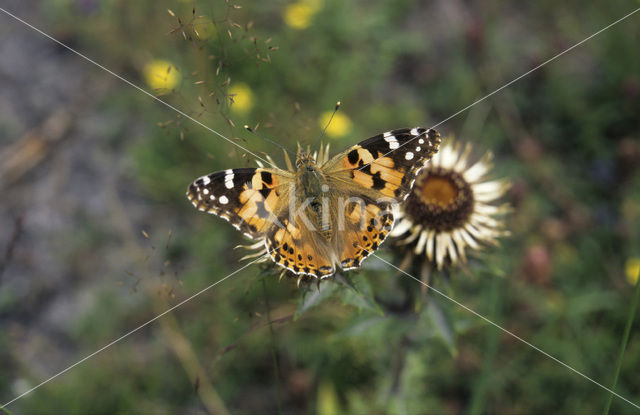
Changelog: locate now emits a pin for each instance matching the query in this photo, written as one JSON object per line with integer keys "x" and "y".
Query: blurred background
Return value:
{"x": 97, "y": 236}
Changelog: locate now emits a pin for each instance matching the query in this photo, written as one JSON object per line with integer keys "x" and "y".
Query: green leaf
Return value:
{"x": 360, "y": 327}
{"x": 357, "y": 292}
{"x": 443, "y": 325}
{"x": 590, "y": 302}
{"x": 313, "y": 296}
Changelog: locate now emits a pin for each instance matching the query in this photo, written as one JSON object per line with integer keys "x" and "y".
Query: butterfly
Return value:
{"x": 321, "y": 213}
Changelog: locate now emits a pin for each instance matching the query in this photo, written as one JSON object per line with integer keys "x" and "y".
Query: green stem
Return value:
{"x": 5, "y": 410}
{"x": 480, "y": 389}
{"x": 623, "y": 346}
{"x": 273, "y": 349}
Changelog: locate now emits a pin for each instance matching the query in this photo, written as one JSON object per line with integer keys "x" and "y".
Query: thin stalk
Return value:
{"x": 623, "y": 346}
{"x": 273, "y": 349}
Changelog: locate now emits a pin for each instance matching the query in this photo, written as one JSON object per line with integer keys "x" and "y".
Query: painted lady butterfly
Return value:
{"x": 324, "y": 212}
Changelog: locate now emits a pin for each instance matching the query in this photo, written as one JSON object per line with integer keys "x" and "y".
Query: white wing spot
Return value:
{"x": 408, "y": 156}
{"x": 205, "y": 191}
{"x": 212, "y": 197}
{"x": 392, "y": 140}
{"x": 228, "y": 179}
{"x": 387, "y": 134}
{"x": 418, "y": 149}
{"x": 414, "y": 131}
{"x": 421, "y": 141}
{"x": 206, "y": 180}
{"x": 223, "y": 200}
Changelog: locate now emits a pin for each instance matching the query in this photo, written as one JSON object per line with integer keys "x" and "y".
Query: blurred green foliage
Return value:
{"x": 567, "y": 136}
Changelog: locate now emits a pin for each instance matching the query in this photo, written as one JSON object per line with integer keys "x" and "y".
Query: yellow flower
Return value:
{"x": 162, "y": 76}
{"x": 241, "y": 98}
{"x": 632, "y": 269}
{"x": 339, "y": 127}
{"x": 298, "y": 15}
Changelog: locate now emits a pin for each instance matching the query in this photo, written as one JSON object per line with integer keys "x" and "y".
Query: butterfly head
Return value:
{"x": 305, "y": 158}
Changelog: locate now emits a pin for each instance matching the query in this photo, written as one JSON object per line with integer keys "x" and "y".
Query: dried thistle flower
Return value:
{"x": 452, "y": 207}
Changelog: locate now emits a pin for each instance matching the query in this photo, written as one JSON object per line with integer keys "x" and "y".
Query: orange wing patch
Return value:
{"x": 369, "y": 228}
{"x": 259, "y": 199}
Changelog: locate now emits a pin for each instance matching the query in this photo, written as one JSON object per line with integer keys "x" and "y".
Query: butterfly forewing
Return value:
{"x": 248, "y": 197}
{"x": 387, "y": 163}
{"x": 377, "y": 171}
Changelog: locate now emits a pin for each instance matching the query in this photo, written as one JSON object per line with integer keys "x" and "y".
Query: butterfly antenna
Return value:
{"x": 330, "y": 119}
{"x": 251, "y": 130}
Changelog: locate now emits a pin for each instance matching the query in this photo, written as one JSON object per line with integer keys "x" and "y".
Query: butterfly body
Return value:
{"x": 311, "y": 181}
{"x": 322, "y": 213}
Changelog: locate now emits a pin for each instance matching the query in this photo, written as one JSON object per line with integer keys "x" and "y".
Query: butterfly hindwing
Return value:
{"x": 247, "y": 197}
{"x": 367, "y": 225}
{"x": 387, "y": 163}
{"x": 294, "y": 247}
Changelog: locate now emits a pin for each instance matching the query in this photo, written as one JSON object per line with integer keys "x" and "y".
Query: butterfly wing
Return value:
{"x": 367, "y": 224}
{"x": 248, "y": 198}
{"x": 375, "y": 173}
{"x": 293, "y": 246}
{"x": 387, "y": 164}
